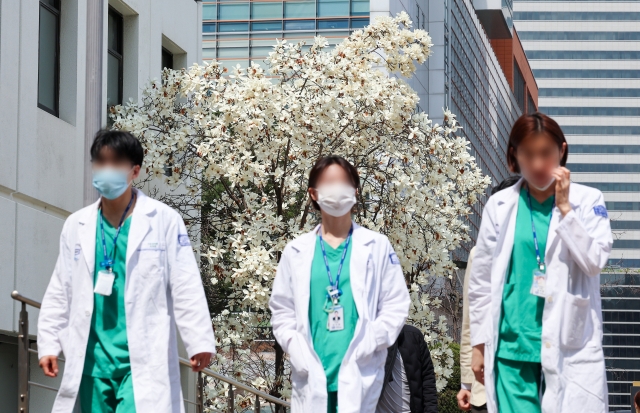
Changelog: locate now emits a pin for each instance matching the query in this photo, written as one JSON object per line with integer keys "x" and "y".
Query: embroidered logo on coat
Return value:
{"x": 601, "y": 210}
{"x": 183, "y": 240}
{"x": 394, "y": 258}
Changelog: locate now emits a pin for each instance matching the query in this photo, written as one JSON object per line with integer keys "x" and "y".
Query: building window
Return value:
{"x": 114, "y": 59}
{"x": 167, "y": 59}
{"x": 49, "y": 56}
{"x": 518, "y": 85}
{"x": 531, "y": 107}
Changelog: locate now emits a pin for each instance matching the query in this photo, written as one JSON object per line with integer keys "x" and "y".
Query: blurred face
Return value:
{"x": 108, "y": 159}
{"x": 334, "y": 192}
{"x": 538, "y": 155}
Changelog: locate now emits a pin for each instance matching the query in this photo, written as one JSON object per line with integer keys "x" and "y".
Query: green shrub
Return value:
{"x": 447, "y": 402}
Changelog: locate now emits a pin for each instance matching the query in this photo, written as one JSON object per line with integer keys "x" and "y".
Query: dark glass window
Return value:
{"x": 579, "y": 36}
{"x": 584, "y": 54}
{"x": 574, "y": 15}
{"x": 601, "y": 93}
{"x": 624, "y": 263}
{"x": 601, "y": 130}
{"x": 167, "y": 59}
{"x": 333, "y": 24}
{"x": 621, "y": 317}
{"x": 266, "y": 26}
{"x": 605, "y": 148}
{"x": 519, "y": 89}
{"x": 627, "y": 225}
{"x": 114, "y": 58}
{"x": 49, "y": 56}
{"x": 208, "y": 28}
{"x": 531, "y": 107}
{"x": 623, "y": 206}
{"x": 614, "y": 186}
{"x": 299, "y": 25}
{"x": 359, "y": 23}
{"x": 604, "y": 167}
{"x": 590, "y": 111}
{"x": 234, "y": 27}
{"x": 587, "y": 73}
{"x": 627, "y": 243}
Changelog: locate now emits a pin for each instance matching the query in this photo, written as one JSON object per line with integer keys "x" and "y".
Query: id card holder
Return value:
{"x": 104, "y": 283}
{"x": 539, "y": 285}
{"x": 335, "y": 321}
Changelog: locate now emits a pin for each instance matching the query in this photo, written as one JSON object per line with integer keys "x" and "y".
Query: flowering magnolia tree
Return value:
{"x": 240, "y": 145}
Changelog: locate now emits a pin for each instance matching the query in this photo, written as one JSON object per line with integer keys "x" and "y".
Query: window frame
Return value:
{"x": 118, "y": 54}
{"x": 55, "y": 111}
{"x": 166, "y": 52}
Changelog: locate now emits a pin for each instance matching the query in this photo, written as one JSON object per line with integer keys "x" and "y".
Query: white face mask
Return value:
{"x": 539, "y": 188}
{"x": 336, "y": 199}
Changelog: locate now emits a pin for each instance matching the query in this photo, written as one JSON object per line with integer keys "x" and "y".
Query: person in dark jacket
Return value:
{"x": 409, "y": 382}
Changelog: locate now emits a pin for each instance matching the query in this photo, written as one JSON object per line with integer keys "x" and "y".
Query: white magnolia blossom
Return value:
{"x": 240, "y": 146}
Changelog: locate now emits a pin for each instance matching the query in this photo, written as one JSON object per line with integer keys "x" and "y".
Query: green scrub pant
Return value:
{"x": 332, "y": 402}
{"x": 517, "y": 386}
{"x": 98, "y": 395}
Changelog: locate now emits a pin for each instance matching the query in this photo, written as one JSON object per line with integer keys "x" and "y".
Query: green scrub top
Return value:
{"x": 108, "y": 349}
{"x": 521, "y": 318}
{"x": 331, "y": 346}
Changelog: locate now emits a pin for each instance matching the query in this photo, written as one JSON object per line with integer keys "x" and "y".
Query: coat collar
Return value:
{"x": 302, "y": 262}
{"x": 140, "y": 225}
{"x": 361, "y": 236}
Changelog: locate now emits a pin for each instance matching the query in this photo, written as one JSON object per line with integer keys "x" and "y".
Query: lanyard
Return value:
{"x": 108, "y": 262}
{"x": 334, "y": 287}
{"x": 541, "y": 264}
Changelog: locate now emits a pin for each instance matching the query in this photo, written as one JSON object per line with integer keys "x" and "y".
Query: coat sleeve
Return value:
{"x": 480, "y": 279}
{"x": 187, "y": 293}
{"x": 429, "y": 392}
{"x": 466, "y": 374}
{"x": 392, "y": 308}
{"x": 283, "y": 315}
{"x": 54, "y": 312}
{"x": 588, "y": 237}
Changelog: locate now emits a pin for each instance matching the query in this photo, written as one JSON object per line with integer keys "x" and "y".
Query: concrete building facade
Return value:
{"x": 43, "y": 154}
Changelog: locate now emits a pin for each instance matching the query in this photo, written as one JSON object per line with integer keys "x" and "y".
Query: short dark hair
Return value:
{"x": 529, "y": 124}
{"x": 510, "y": 181}
{"x": 324, "y": 163}
{"x": 122, "y": 143}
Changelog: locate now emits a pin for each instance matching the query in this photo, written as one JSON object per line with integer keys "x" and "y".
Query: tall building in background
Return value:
{"x": 481, "y": 74}
{"x": 586, "y": 59}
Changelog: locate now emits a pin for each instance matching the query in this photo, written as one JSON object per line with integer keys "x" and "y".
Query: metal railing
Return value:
{"x": 24, "y": 383}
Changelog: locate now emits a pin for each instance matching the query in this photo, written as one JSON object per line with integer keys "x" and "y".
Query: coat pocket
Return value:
{"x": 576, "y": 311}
{"x": 297, "y": 357}
{"x": 585, "y": 382}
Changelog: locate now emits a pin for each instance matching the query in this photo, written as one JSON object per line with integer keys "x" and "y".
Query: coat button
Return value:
{"x": 547, "y": 344}
{"x": 87, "y": 313}
{"x": 550, "y": 299}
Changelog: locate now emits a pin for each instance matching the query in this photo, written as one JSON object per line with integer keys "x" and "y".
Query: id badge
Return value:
{"x": 104, "y": 284}
{"x": 335, "y": 321}
{"x": 539, "y": 285}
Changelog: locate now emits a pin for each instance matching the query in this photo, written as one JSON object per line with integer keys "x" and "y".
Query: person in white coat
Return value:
{"x": 125, "y": 276}
{"x": 534, "y": 296}
{"x": 339, "y": 300}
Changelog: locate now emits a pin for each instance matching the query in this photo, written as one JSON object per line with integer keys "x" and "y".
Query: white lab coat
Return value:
{"x": 578, "y": 247}
{"x": 382, "y": 299}
{"x": 162, "y": 288}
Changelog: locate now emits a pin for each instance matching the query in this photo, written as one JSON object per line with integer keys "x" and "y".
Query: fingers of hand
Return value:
{"x": 49, "y": 366}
